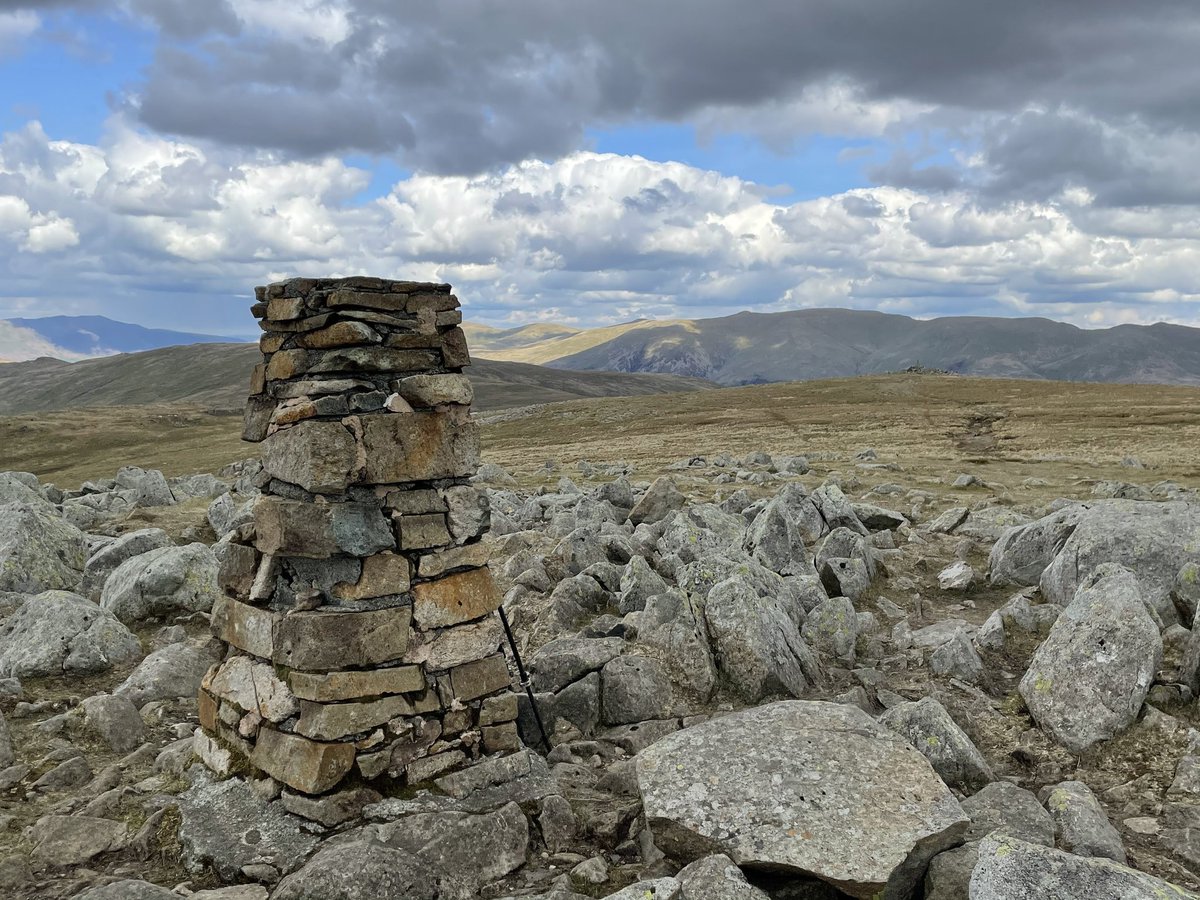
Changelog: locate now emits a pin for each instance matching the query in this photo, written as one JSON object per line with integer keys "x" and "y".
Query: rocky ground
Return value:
{"x": 769, "y": 676}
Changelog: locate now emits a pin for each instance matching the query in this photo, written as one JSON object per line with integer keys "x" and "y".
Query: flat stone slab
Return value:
{"x": 814, "y": 788}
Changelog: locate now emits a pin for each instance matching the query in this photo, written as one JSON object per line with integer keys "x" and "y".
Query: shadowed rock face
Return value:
{"x": 807, "y": 787}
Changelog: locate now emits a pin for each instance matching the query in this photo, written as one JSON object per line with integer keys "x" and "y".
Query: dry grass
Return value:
{"x": 1004, "y": 430}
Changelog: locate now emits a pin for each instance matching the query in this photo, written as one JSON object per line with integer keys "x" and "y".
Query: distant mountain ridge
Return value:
{"x": 75, "y": 337}
{"x": 800, "y": 345}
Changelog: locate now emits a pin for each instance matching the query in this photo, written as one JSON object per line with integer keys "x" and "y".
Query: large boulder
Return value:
{"x": 756, "y": 641}
{"x": 169, "y": 581}
{"x": 1010, "y": 869}
{"x": 109, "y": 558}
{"x": 39, "y": 551}
{"x": 144, "y": 487}
{"x": 1059, "y": 552}
{"x": 170, "y": 673}
{"x": 928, "y": 726}
{"x": 360, "y": 870}
{"x": 1088, "y": 679}
{"x": 810, "y": 788}
{"x": 58, "y": 633}
{"x": 702, "y": 531}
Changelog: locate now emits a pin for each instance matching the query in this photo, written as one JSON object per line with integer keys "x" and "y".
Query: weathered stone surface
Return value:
{"x": 74, "y": 840}
{"x": 7, "y": 754}
{"x": 168, "y": 581}
{"x": 635, "y": 689}
{"x": 334, "y": 686}
{"x": 108, "y": 559}
{"x": 334, "y": 721}
{"x": 254, "y": 687}
{"x": 468, "y": 512}
{"x": 1010, "y": 869}
{"x": 662, "y": 499}
{"x": 39, "y": 551}
{"x": 457, "y": 645}
{"x": 128, "y": 890}
{"x": 928, "y": 727}
{"x": 321, "y": 641}
{"x": 245, "y": 627}
{"x": 757, "y": 645}
{"x": 319, "y": 531}
{"x": 318, "y": 456}
{"x": 115, "y": 720}
{"x": 455, "y": 598}
{"x": 812, "y": 788}
{"x": 422, "y": 532}
{"x": 472, "y": 556}
{"x": 307, "y": 766}
{"x": 58, "y": 633}
{"x": 476, "y": 679}
{"x": 227, "y": 826}
{"x": 420, "y": 446}
{"x": 1081, "y": 825}
{"x": 436, "y": 390}
{"x": 1088, "y": 679}
{"x": 383, "y": 575}
{"x": 364, "y": 871}
{"x": 716, "y": 878}
{"x": 333, "y": 809}
{"x": 563, "y": 661}
{"x": 1004, "y": 805}
{"x": 339, "y": 334}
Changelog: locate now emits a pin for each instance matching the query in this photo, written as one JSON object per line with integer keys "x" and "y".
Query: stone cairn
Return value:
{"x": 358, "y": 608}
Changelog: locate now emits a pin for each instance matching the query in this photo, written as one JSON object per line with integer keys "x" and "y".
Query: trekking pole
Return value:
{"x": 525, "y": 683}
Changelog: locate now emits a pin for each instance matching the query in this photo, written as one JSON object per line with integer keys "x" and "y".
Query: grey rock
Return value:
{"x": 7, "y": 754}
{"x": 192, "y": 487}
{"x": 949, "y": 873}
{"x": 716, "y": 878}
{"x": 170, "y": 673}
{"x": 871, "y": 810}
{"x": 756, "y": 642}
{"x": 846, "y": 543}
{"x": 115, "y": 720}
{"x": 1017, "y": 811}
{"x": 70, "y": 773}
{"x": 1088, "y": 679}
{"x": 58, "y": 633}
{"x": 163, "y": 582}
{"x": 634, "y": 689}
{"x": 774, "y": 539}
{"x": 929, "y": 728}
{"x": 702, "y": 531}
{"x": 566, "y": 660}
{"x": 228, "y": 512}
{"x": 107, "y": 559}
{"x": 655, "y": 889}
{"x": 832, "y": 629}
{"x": 662, "y": 499}
{"x": 558, "y": 824}
{"x": 639, "y": 583}
{"x": 1080, "y": 823}
{"x": 957, "y": 658}
{"x": 227, "y": 826}
{"x": 578, "y": 703}
{"x": 847, "y": 578}
{"x": 474, "y": 850}
{"x": 676, "y": 630}
{"x": 1010, "y": 869}
{"x": 361, "y": 870}
{"x": 128, "y": 890}
{"x": 38, "y": 550}
{"x": 988, "y": 523}
{"x": 75, "y": 840}
{"x": 148, "y": 487}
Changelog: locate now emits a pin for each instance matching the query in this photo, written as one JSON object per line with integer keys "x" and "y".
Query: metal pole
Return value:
{"x": 524, "y": 678}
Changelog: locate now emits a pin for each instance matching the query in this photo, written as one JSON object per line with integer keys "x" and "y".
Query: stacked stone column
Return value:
{"x": 359, "y": 610}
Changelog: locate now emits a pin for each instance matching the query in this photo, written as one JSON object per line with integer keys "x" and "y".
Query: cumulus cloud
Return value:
{"x": 597, "y": 238}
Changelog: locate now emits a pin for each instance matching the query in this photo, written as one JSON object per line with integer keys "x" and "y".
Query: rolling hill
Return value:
{"x": 216, "y": 376}
{"x": 753, "y": 348}
{"x": 79, "y": 337}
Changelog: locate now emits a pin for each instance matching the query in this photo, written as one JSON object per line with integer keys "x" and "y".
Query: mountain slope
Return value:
{"x": 99, "y": 336}
{"x": 217, "y": 375}
{"x": 751, "y": 348}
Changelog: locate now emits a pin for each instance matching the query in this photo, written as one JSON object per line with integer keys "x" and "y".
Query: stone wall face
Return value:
{"x": 358, "y": 609}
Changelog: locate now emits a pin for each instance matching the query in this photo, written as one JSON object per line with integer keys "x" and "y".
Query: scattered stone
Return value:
{"x": 163, "y": 582}
{"x": 929, "y": 728}
{"x": 38, "y": 550}
{"x": 58, "y": 633}
{"x": 74, "y": 840}
{"x": 1081, "y": 825}
{"x": 115, "y": 720}
{"x": 721, "y": 786}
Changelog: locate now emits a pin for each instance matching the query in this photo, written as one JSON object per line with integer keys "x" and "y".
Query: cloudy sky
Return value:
{"x": 594, "y": 162}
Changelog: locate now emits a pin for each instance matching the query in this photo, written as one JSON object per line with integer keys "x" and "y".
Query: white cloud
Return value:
{"x": 595, "y": 238}
{"x": 16, "y": 27}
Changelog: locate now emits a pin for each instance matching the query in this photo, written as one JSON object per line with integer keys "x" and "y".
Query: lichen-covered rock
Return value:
{"x": 928, "y": 727}
{"x": 361, "y": 870}
{"x": 39, "y": 551}
{"x": 758, "y": 647}
{"x": 1088, "y": 679}
{"x": 1081, "y": 825}
{"x": 716, "y": 878}
{"x": 1010, "y": 869}
{"x": 108, "y": 559}
{"x": 811, "y": 788}
{"x": 58, "y": 633}
{"x": 832, "y": 628}
{"x": 170, "y": 673}
{"x": 169, "y": 581}
{"x": 662, "y": 499}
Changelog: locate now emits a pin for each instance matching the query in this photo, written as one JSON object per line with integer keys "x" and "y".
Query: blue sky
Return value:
{"x": 556, "y": 161}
